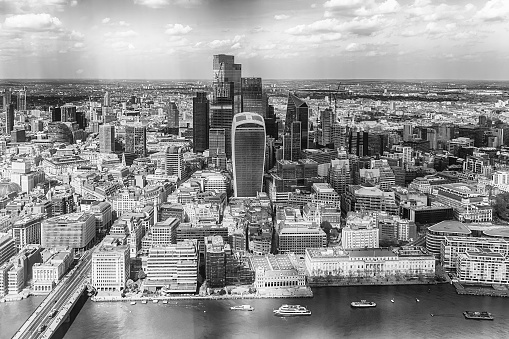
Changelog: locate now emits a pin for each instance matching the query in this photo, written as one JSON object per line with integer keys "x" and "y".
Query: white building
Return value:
{"x": 27, "y": 231}
{"x": 46, "y": 275}
{"x": 361, "y": 231}
{"x": 452, "y": 247}
{"x": 482, "y": 266}
{"x": 110, "y": 265}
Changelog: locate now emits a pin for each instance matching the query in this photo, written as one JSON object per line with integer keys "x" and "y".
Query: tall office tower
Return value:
{"x": 56, "y": 114}
{"x": 339, "y": 135}
{"x": 81, "y": 120}
{"x": 172, "y": 115}
{"x": 408, "y": 132}
{"x": 107, "y": 99}
{"x": 200, "y": 122}
{"x": 6, "y": 98}
{"x": 358, "y": 142}
{"x": 68, "y": 113}
{"x": 22, "y": 100}
{"x": 9, "y": 121}
{"x": 217, "y": 141}
{"x": 248, "y": 153}
{"x": 297, "y": 110}
{"x": 226, "y": 95}
{"x": 252, "y": 96}
{"x": 136, "y": 139}
{"x": 107, "y": 138}
{"x": 174, "y": 162}
{"x": 340, "y": 176}
{"x": 327, "y": 118}
{"x": 292, "y": 142}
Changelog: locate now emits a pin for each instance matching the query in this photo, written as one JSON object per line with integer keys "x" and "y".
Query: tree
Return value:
{"x": 141, "y": 274}
{"x": 500, "y": 205}
{"x": 326, "y": 227}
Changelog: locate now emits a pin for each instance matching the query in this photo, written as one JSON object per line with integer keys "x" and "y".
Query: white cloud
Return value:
{"x": 123, "y": 23}
{"x": 119, "y": 45}
{"x": 74, "y": 3}
{"x": 354, "y": 47}
{"x": 357, "y": 26}
{"x": 75, "y": 35}
{"x": 33, "y": 6}
{"x": 79, "y": 45}
{"x": 226, "y": 42}
{"x": 36, "y": 22}
{"x": 105, "y": 20}
{"x": 494, "y": 10}
{"x": 360, "y": 7}
{"x": 122, "y": 34}
{"x": 236, "y": 46}
{"x": 281, "y": 16}
{"x": 79, "y": 71}
{"x": 313, "y": 5}
{"x": 177, "y": 29}
{"x": 152, "y": 3}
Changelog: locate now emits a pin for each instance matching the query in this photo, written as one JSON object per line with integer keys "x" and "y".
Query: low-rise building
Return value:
{"x": 482, "y": 266}
{"x": 276, "y": 271}
{"x": 436, "y": 234}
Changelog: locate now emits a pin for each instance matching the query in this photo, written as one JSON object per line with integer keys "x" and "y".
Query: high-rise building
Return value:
{"x": 6, "y": 98}
{"x": 10, "y": 119}
{"x": 22, "y": 100}
{"x": 136, "y": 140}
{"x": 68, "y": 113}
{"x": 217, "y": 141}
{"x": 200, "y": 122}
{"x": 107, "y": 99}
{"x": 172, "y": 115}
{"x": 56, "y": 114}
{"x": 248, "y": 154}
{"x": 27, "y": 231}
{"x": 327, "y": 119}
{"x": 226, "y": 95}
{"x": 107, "y": 138}
{"x": 297, "y": 110}
{"x": 252, "y": 96}
{"x": 174, "y": 162}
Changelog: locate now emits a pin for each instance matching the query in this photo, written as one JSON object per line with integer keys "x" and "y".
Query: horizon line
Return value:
{"x": 268, "y": 79}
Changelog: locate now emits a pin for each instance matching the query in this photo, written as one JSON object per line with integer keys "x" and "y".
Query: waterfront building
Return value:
{"x": 200, "y": 122}
{"x": 174, "y": 267}
{"x": 297, "y": 239}
{"x": 215, "y": 261}
{"x": 107, "y": 138}
{"x": 110, "y": 265}
{"x": 27, "y": 231}
{"x": 482, "y": 266}
{"x": 248, "y": 154}
{"x": 47, "y": 274}
{"x": 453, "y": 246}
{"x": 361, "y": 231}
{"x": 7, "y": 247}
{"x": 277, "y": 271}
{"x": 198, "y": 232}
{"x": 136, "y": 140}
{"x": 436, "y": 234}
{"x": 335, "y": 261}
{"x": 75, "y": 230}
{"x": 164, "y": 233}
{"x": 393, "y": 228}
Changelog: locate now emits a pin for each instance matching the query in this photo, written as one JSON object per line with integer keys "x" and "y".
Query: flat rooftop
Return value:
{"x": 450, "y": 226}
{"x": 272, "y": 262}
{"x": 497, "y": 232}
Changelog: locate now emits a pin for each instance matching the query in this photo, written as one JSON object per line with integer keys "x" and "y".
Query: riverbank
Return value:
{"x": 328, "y": 282}
{"x": 480, "y": 290}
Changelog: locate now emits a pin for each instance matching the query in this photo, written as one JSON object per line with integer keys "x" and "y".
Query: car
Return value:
{"x": 42, "y": 328}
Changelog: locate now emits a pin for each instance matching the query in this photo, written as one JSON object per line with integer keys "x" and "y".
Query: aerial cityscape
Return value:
{"x": 337, "y": 169}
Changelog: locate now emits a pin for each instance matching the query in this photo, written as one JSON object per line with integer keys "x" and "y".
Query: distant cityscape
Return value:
{"x": 238, "y": 186}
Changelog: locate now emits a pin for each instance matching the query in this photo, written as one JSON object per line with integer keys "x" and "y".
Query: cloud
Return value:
{"x": 74, "y": 3}
{"x": 79, "y": 71}
{"x": 354, "y": 47}
{"x": 163, "y": 3}
{"x": 494, "y": 10}
{"x": 226, "y": 42}
{"x": 75, "y": 35}
{"x": 357, "y": 26}
{"x": 105, "y": 20}
{"x": 33, "y": 22}
{"x": 177, "y": 29}
{"x": 79, "y": 45}
{"x": 122, "y": 34}
{"x": 122, "y": 45}
{"x": 360, "y": 7}
{"x": 33, "y": 6}
{"x": 281, "y": 16}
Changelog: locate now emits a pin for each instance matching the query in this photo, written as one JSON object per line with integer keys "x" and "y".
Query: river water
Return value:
{"x": 332, "y": 316}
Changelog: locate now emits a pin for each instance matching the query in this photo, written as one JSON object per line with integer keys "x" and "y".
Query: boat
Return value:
{"x": 242, "y": 308}
{"x": 133, "y": 302}
{"x": 417, "y": 300}
{"x": 392, "y": 300}
{"x": 165, "y": 301}
{"x": 363, "y": 303}
{"x": 155, "y": 301}
{"x": 292, "y": 310}
{"x": 478, "y": 315}
{"x": 143, "y": 301}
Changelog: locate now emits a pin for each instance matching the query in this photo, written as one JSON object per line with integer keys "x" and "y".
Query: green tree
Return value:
{"x": 326, "y": 227}
{"x": 500, "y": 205}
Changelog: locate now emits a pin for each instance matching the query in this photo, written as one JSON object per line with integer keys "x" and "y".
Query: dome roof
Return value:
{"x": 7, "y": 187}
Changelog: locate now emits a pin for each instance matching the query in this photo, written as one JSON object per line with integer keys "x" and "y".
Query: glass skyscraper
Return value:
{"x": 200, "y": 122}
{"x": 252, "y": 96}
{"x": 297, "y": 110}
{"x": 248, "y": 153}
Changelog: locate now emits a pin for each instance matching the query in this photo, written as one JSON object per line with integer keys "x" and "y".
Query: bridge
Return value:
{"x": 56, "y": 307}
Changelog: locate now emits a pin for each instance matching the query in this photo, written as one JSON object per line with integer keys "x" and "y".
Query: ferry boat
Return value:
{"x": 363, "y": 303}
{"x": 133, "y": 302}
{"x": 478, "y": 315}
{"x": 292, "y": 310}
{"x": 155, "y": 301}
{"x": 242, "y": 308}
{"x": 143, "y": 301}
{"x": 165, "y": 301}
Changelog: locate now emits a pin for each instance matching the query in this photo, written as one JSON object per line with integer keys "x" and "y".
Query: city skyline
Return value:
{"x": 175, "y": 39}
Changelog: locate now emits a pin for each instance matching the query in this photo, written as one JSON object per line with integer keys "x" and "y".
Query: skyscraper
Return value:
{"x": 68, "y": 113}
{"x": 226, "y": 95}
{"x": 297, "y": 110}
{"x": 6, "y": 98}
{"x": 107, "y": 100}
{"x": 172, "y": 115}
{"x": 252, "y": 96}
{"x": 200, "y": 122}
{"x": 136, "y": 139}
{"x": 248, "y": 153}
{"x": 173, "y": 164}
{"x": 22, "y": 100}
{"x": 107, "y": 138}
{"x": 56, "y": 114}
{"x": 9, "y": 121}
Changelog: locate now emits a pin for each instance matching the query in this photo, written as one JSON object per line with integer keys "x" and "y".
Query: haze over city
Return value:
{"x": 165, "y": 39}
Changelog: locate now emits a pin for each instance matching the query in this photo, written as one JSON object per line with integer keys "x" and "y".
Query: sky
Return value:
{"x": 272, "y": 39}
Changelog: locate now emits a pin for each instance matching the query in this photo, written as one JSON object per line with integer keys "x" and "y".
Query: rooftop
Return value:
{"x": 450, "y": 226}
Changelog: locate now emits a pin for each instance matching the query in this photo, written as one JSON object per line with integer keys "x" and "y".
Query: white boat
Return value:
{"x": 165, "y": 301}
{"x": 133, "y": 302}
{"x": 363, "y": 303}
{"x": 155, "y": 301}
{"x": 417, "y": 300}
{"x": 242, "y": 308}
{"x": 143, "y": 301}
{"x": 392, "y": 300}
{"x": 292, "y": 310}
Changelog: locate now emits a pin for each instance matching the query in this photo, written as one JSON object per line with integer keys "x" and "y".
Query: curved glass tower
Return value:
{"x": 248, "y": 153}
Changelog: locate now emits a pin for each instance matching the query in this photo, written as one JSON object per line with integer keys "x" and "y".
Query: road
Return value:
{"x": 57, "y": 299}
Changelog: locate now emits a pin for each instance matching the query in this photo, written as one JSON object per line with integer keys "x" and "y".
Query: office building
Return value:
{"x": 27, "y": 231}
{"x": 200, "y": 122}
{"x": 215, "y": 261}
{"x": 136, "y": 140}
{"x": 103, "y": 217}
{"x": 173, "y": 268}
{"x": 297, "y": 111}
{"x": 483, "y": 266}
{"x": 252, "y": 96}
{"x": 7, "y": 247}
{"x": 435, "y": 235}
{"x": 361, "y": 231}
{"x": 297, "y": 239}
{"x": 75, "y": 230}
{"x": 9, "y": 120}
{"x": 164, "y": 233}
{"x": 110, "y": 265}
{"x": 56, "y": 114}
{"x": 248, "y": 155}
{"x": 55, "y": 263}
{"x": 107, "y": 138}
{"x": 172, "y": 115}
{"x": 174, "y": 162}
{"x": 6, "y": 98}
{"x": 276, "y": 271}
{"x": 68, "y": 113}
